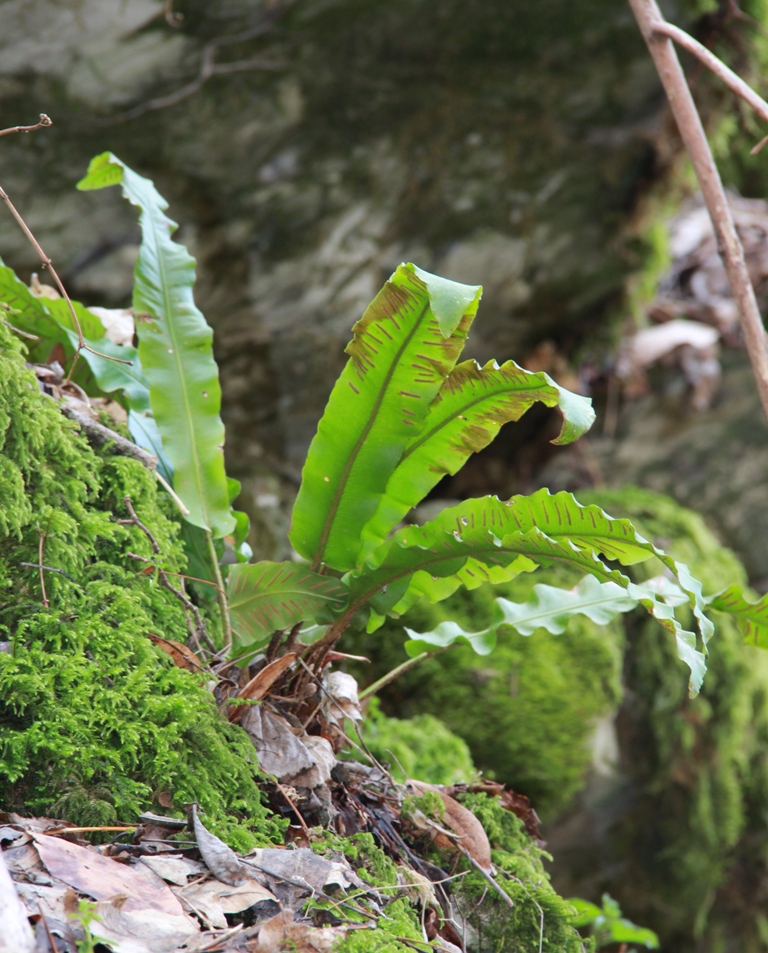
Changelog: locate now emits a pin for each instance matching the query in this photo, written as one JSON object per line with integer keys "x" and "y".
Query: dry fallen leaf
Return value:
{"x": 302, "y": 867}
{"x": 259, "y": 685}
{"x": 213, "y": 899}
{"x": 16, "y": 935}
{"x": 282, "y": 932}
{"x": 131, "y": 930}
{"x": 175, "y": 870}
{"x": 469, "y": 832}
{"x": 341, "y": 699}
{"x": 182, "y": 656}
{"x": 221, "y": 860}
{"x": 118, "y": 324}
{"x": 89, "y": 872}
{"x": 280, "y": 752}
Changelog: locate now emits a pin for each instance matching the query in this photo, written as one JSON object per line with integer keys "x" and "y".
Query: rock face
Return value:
{"x": 501, "y": 143}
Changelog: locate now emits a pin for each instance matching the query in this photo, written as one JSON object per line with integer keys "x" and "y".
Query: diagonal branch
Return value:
{"x": 653, "y": 28}
{"x": 716, "y": 65}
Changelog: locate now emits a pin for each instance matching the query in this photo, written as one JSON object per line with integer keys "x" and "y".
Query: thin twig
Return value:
{"x": 296, "y": 811}
{"x": 47, "y": 263}
{"x": 40, "y": 546}
{"x": 99, "y": 435}
{"x": 30, "y": 337}
{"x": 49, "y": 569}
{"x": 735, "y": 83}
{"x": 172, "y": 493}
{"x": 502, "y": 893}
{"x": 689, "y": 123}
{"x": 162, "y": 576}
{"x": 44, "y": 121}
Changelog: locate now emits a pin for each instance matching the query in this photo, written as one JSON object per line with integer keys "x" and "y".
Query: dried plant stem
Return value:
{"x": 716, "y": 65}
{"x": 226, "y": 624}
{"x": 47, "y": 263}
{"x": 40, "y": 566}
{"x": 172, "y": 493}
{"x": 652, "y": 27}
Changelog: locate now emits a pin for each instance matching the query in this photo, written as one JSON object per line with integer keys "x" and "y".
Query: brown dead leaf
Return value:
{"x": 259, "y": 685}
{"x": 16, "y": 935}
{"x": 221, "y": 860}
{"x": 282, "y": 932}
{"x": 88, "y": 872}
{"x": 126, "y": 929}
{"x": 213, "y": 899}
{"x": 469, "y": 832}
{"x": 182, "y": 656}
{"x": 118, "y": 324}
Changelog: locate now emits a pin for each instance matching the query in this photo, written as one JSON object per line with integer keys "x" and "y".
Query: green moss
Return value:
{"x": 539, "y": 919}
{"x": 371, "y": 863}
{"x": 95, "y": 722}
{"x": 430, "y": 804}
{"x": 527, "y": 711}
{"x": 420, "y": 747}
{"x": 698, "y": 768}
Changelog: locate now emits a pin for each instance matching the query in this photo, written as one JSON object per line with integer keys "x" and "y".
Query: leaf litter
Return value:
{"x": 160, "y": 892}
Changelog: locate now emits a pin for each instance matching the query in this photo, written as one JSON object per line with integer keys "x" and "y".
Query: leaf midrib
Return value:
{"x": 475, "y": 554}
{"x": 280, "y": 593}
{"x": 444, "y": 423}
{"x": 176, "y": 358}
{"x": 569, "y": 609}
{"x": 351, "y": 459}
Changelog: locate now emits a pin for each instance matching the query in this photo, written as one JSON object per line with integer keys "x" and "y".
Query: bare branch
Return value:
{"x": 44, "y": 121}
{"x": 47, "y": 263}
{"x": 716, "y": 65}
{"x": 689, "y": 123}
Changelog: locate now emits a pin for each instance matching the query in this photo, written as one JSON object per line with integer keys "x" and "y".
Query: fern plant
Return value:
{"x": 404, "y": 413}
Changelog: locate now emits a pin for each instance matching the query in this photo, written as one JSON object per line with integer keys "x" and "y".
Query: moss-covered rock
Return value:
{"x": 421, "y": 747}
{"x": 688, "y": 836}
{"x": 677, "y": 833}
{"x": 95, "y": 722}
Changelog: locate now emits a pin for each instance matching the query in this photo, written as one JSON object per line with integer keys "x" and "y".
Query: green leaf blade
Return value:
{"x": 548, "y": 608}
{"x": 487, "y": 540}
{"x": 465, "y": 416}
{"x": 751, "y": 617}
{"x": 267, "y": 596}
{"x": 402, "y": 350}
{"x": 175, "y": 349}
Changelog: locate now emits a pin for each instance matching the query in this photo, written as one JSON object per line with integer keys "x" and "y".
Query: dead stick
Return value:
{"x": 44, "y": 121}
{"x": 689, "y": 123}
{"x": 47, "y": 263}
{"x": 716, "y": 65}
{"x": 99, "y": 435}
